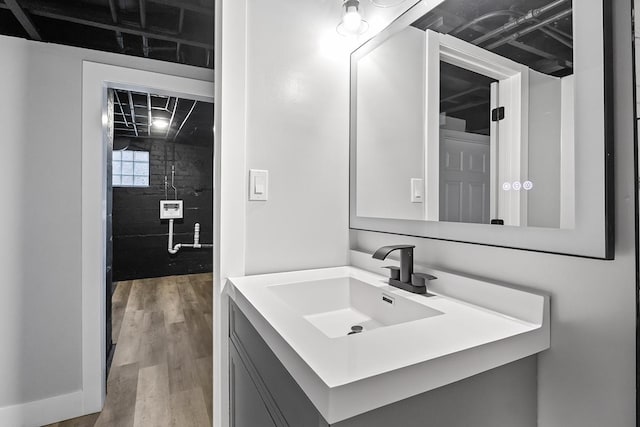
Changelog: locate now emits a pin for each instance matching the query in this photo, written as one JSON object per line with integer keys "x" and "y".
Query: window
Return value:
{"x": 130, "y": 169}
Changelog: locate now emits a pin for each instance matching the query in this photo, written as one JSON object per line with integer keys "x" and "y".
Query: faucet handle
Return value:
{"x": 394, "y": 272}
{"x": 420, "y": 279}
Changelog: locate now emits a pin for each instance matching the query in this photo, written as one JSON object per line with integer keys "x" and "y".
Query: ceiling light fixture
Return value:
{"x": 386, "y": 3}
{"x": 160, "y": 124}
{"x": 352, "y": 23}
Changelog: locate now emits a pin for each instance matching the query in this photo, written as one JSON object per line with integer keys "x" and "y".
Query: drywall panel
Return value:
{"x": 297, "y": 129}
{"x": 587, "y": 377}
{"x": 40, "y": 262}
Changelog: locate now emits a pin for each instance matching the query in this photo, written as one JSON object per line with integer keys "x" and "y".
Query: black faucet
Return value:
{"x": 404, "y": 277}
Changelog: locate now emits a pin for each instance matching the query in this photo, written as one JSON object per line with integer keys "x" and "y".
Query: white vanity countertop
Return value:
{"x": 350, "y": 375}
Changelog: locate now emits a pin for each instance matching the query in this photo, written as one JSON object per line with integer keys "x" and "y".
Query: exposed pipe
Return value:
{"x": 173, "y": 114}
{"x": 466, "y": 106}
{"x": 149, "y": 116}
{"x": 466, "y": 92}
{"x": 196, "y": 235}
{"x": 541, "y": 53}
{"x": 173, "y": 249}
{"x": 185, "y": 120}
{"x": 528, "y": 16}
{"x": 480, "y": 19}
{"x": 166, "y": 186}
{"x": 554, "y": 33}
{"x": 170, "y": 247}
{"x": 132, "y": 110}
{"x": 173, "y": 175}
{"x": 115, "y": 92}
{"x": 527, "y": 30}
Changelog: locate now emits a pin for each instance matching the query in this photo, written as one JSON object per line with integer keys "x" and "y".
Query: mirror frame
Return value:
{"x": 593, "y": 234}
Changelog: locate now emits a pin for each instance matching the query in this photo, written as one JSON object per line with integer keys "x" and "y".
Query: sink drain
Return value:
{"x": 356, "y": 329}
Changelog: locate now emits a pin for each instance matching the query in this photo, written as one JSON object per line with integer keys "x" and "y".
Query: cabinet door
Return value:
{"x": 247, "y": 407}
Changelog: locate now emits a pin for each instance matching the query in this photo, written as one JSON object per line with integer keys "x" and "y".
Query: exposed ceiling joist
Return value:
{"x": 79, "y": 16}
{"x": 180, "y": 26}
{"x": 114, "y": 18}
{"x": 23, "y": 18}
{"x": 143, "y": 24}
{"x": 187, "y": 5}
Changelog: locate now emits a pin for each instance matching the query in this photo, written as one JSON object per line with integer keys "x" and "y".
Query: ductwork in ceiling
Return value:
{"x": 536, "y": 33}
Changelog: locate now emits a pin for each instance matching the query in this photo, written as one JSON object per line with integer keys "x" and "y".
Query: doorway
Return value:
{"x": 97, "y": 80}
{"x": 159, "y": 260}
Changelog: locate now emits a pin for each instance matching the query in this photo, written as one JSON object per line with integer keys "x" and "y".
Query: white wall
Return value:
{"x": 297, "y": 128}
{"x": 587, "y": 377}
{"x": 297, "y": 99}
{"x": 545, "y": 105}
{"x": 40, "y": 268}
{"x": 390, "y": 126}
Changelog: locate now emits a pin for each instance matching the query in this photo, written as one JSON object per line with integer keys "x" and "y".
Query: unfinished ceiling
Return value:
{"x": 169, "y": 30}
{"x": 140, "y": 116}
{"x": 536, "y": 33}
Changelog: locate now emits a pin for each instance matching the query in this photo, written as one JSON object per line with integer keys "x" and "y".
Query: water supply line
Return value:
{"x": 166, "y": 184}
{"x": 173, "y": 249}
{"x": 173, "y": 176}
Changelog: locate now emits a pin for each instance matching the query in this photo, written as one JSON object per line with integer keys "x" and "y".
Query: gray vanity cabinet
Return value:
{"x": 260, "y": 383}
{"x": 263, "y": 393}
{"x": 247, "y": 407}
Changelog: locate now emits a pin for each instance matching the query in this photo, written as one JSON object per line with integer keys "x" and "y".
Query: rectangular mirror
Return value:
{"x": 486, "y": 122}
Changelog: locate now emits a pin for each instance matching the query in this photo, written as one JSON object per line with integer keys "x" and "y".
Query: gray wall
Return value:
{"x": 587, "y": 377}
{"x": 297, "y": 128}
{"x": 40, "y": 255}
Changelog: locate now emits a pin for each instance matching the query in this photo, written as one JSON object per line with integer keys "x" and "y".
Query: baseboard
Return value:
{"x": 43, "y": 412}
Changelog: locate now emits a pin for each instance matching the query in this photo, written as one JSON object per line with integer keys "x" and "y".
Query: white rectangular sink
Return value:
{"x": 410, "y": 343}
{"x": 345, "y": 305}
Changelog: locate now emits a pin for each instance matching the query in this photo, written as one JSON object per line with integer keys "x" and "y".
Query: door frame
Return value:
{"x": 512, "y": 158}
{"x": 96, "y": 79}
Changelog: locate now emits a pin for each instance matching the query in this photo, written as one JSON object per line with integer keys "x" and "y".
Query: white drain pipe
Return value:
{"x": 172, "y": 250}
{"x": 196, "y": 240}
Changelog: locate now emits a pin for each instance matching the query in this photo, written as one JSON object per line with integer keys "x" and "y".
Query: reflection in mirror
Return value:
{"x": 465, "y": 169}
{"x": 467, "y": 116}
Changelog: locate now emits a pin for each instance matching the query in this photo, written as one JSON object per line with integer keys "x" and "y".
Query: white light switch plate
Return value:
{"x": 258, "y": 184}
{"x": 417, "y": 190}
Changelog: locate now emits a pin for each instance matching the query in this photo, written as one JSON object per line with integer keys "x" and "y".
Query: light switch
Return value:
{"x": 258, "y": 184}
{"x": 417, "y": 190}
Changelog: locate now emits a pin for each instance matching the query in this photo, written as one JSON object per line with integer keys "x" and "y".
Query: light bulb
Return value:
{"x": 352, "y": 20}
{"x": 160, "y": 124}
{"x": 352, "y": 23}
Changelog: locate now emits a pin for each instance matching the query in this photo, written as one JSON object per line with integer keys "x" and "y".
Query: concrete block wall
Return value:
{"x": 140, "y": 237}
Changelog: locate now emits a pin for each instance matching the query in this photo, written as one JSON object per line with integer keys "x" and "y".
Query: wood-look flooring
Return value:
{"x": 161, "y": 373}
